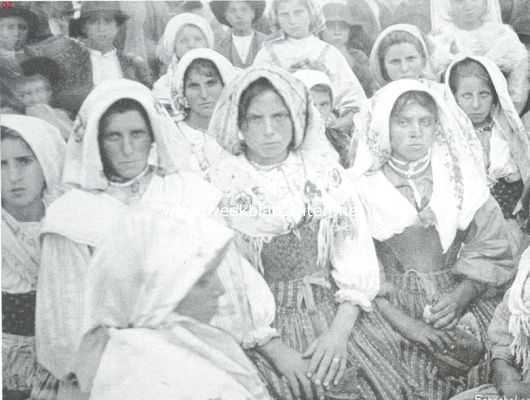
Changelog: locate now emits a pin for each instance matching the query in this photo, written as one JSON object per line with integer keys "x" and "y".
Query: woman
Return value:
{"x": 118, "y": 155}
{"x": 304, "y": 231}
{"x": 475, "y": 28}
{"x": 196, "y": 85}
{"x": 480, "y": 89}
{"x": 32, "y": 158}
{"x": 147, "y": 326}
{"x": 439, "y": 236}
{"x": 299, "y": 22}
{"x": 399, "y": 52}
{"x": 183, "y": 32}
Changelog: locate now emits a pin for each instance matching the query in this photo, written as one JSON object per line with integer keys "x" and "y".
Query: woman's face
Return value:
{"x": 34, "y": 90}
{"x": 125, "y": 143}
{"x": 403, "y": 60}
{"x": 202, "y": 92}
{"x": 22, "y": 176}
{"x": 336, "y": 33}
{"x": 189, "y": 37}
{"x": 294, "y": 18}
{"x": 13, "y": 33}
{"x": 474, "y": 96}
{"x": 467, "y": 14}
{"x": 101, "y": 30}
{"x": 202, "y": 301}
{"x": 412, "y": 132}
{"x": 239, "y": 15}
{"x": 267, "y": 129}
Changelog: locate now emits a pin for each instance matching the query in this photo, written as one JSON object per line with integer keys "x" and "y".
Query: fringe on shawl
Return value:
{"x": 519, "y": 327}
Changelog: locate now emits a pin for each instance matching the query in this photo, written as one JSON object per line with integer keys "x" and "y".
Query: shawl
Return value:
{"x": 519, "y": 306}
{"x": 131, "y": 293}
{"x": 505, "y": 116}
{"x": 441, "y": 14}
{"x": 178, "y": 99}
{"x": 83, "y": 165}
{"x": 318, "y": 21}
{"x": 459, "y": 184}
{"x": 375, "y": 65}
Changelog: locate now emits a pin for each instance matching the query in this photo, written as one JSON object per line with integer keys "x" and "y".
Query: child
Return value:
{"x": 320, "y": 87}
{"x": 471, "y": 27}
{"x": 35, "y": 91}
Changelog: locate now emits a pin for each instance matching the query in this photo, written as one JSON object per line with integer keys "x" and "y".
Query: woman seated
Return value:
{"x": 302, "y": 226}
{"x": 196, "y": 84}
{"x": 475, "y": 28}
{"x": 32, "y": 161}
{"x": 439, "y": 236}
{"x": 147, "y": 325}
{"x": 183, "y": 32}
{"x": 509, "y": 337}
{"x": 480, "y": 89}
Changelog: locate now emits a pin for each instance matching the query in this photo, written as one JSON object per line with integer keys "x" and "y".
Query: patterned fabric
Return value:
{"x": 507, "y": 195}
{"x": 318, "y": 20}
{"x": 18, "y": 313}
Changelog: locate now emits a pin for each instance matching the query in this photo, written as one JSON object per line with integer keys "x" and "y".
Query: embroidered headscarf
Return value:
{"x": 318, "y": 21}
{"x": 226, "y": 70}
{"x": 441, "y": 13}
{"x": 166, "y": 46}
{"x": 47, "y": 144}
{"x": 375, "y": 64}
{"x": 460, "y": 187}
{"x": 83, "y": 165}
{"x": 505, "y": 115}
{"x": 519, "y": 306}
{"x": 131, "y": 292}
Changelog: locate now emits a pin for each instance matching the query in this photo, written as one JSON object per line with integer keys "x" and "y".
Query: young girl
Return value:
{"x": 475, "y": 27}
{"x": 195, "y": 87}
{"x": 439, "y": 237}
{"x": 32, "y": 158}
{"x": 183, "y": 32}
{"x": 299, "y": 21}
{"x": 479, "y": 88}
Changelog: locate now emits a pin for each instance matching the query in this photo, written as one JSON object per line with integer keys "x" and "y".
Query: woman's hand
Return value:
{"x": 434, "y": 340}
{"x": 328, "y": 358}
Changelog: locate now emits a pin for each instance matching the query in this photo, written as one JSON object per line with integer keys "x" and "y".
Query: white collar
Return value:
{"x": 100, "y": 54}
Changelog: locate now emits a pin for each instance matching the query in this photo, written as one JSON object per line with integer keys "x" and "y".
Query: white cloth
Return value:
{"x": 242, "y": 45}
{"x": 311, "y": 78}
{"x": 441, "y": 13}
{"x": 105, "y": 66}
{"x": 287, "y": 52}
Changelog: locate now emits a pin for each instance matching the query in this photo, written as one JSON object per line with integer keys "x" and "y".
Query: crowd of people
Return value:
{"x": 254, "y": 200}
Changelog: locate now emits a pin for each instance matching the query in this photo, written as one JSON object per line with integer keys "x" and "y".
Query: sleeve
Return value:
{"x": 199, "y": 195}
{"x": 498, "y": 336}
{"x": 355, "y": 267}
{"x": 486, "y": 255}
{"x": 59, "y": 309}
{"x": 349, "y": 92}
{"x": 247, "y": 309}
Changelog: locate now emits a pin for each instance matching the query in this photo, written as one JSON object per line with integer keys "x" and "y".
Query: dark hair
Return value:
{"x": 8, "y": 133}
{"x": 203, "y": 67}
{"x": 43, "y": 66}
{"x": 393, "y": 38}
{"x": 423, "y": 99}
{"x": 119, "y": 107}
{"x": 468, "y": 68}
{"x": 322, "y": 88}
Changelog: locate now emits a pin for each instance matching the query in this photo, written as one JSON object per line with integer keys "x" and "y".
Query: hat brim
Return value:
{"x": 75, "y": 26}
{"x": 29, "y": 16}
{"x": 219, "y": 10}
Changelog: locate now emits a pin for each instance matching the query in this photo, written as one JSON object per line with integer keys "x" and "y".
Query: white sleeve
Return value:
{"x": 355, "y": 267}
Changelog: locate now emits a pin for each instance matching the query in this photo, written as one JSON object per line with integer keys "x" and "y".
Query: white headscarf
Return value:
{"x": 45, "y": 141}
{"x": 375, "y": 64}
{"x": 166, "y": 46}
{"x": 226, "y": 70}
{"x": 312, "y": 77}
{"x": 83, "y": 165}
{"x": 136, "y": 279}
{"x": 441, "y": 14}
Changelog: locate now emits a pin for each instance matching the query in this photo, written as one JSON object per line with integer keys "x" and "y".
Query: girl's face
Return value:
{"x": 239, "y": 15}
{"x": 467, "y": 14}
{"x": 323, "y": 103}
{"x": 403, "y": 60}
{"x": 267, "y": 129}
{"x": 294, "y": 18}
{"x": 412, "y": 132}
{"x": 101, "y": 30}
{"x": 202, "y": 92}
{"x": 34, "y": 90}
{"x": 202, "y": 301}
{"x": 474, "y": 96}
{"x": 189, "y": 37}
{"x": 22, "y": 176}
{"x": 13, "y": 33}
{"x": 336, "y": 33}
